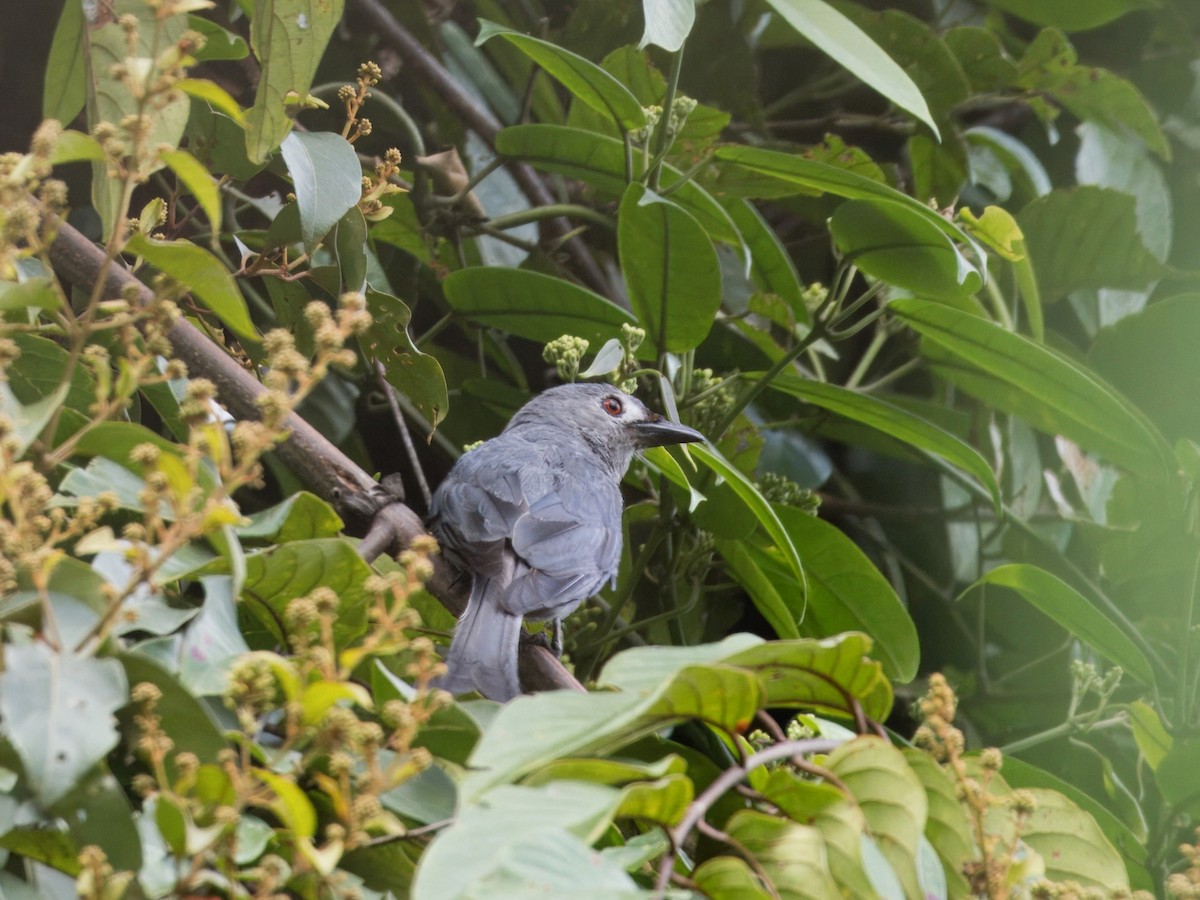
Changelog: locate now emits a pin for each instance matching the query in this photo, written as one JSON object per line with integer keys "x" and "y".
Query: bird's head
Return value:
{"x": 610, "y": 420}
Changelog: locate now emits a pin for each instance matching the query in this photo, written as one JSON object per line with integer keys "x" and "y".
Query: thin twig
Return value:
{"x": 405, "y": 435}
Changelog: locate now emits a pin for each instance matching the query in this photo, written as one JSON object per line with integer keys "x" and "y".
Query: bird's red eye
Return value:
{"x": 613, "y": 406}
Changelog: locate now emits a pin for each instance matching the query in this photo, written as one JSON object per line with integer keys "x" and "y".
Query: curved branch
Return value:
{"x": 725, "y": 781}
{"x": 368, "y": 508}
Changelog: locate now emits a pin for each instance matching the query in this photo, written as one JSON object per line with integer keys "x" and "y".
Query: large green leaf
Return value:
{"x": 771, "y": 266}
{"x": 532, "y": 305}
{"x": 686, "y": 683}
{"x": 600, "y": 161}
{"x": 300, "y": 517}
{"x": 791, "y": 173}
{"x": 1092, "y": 94}
{"x": 526, "y": 841}
{"x": 781, "y": 602}
{"x": 894, "y": 243}
{"x": 583, "y": 78}
{"x": 57, "y": 709}
{"x": 288, "y": 38}
{"x": 749, "y": 494}
{"x": 832, "y": 675}
{"x": 834, "y": 34}
{"x": 195, "y": 178}
{"x": 65, "y": 89}
{"x": 946, "y": 824}
{"x": 668, "y": 23}
{"x": 1086, "y": 237}
{"x": 279, "y": 575}
{"x": 670, "y": 269}
{"x": 845, "y": 590}
{"x": 1150, "y": 356}
{"x": 1028, "y": 379}
{"x": 202, "y": 274}
{"x": 1074, "y": 612}
{"x": 890, "y": 796}
{"x": 416, "y": 375}
{"x": 111, "y": 96}
{"x": 327, "y": 179}
{"x": 893, "y": 421}
{"x": 792, "y": 855}
{"x": 1073, "y": 15}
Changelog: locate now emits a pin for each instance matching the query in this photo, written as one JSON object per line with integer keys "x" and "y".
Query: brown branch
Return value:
{"x": 388, "y": 524}
{"x": 699, "y": 807}
{"x": 430, "y": 72}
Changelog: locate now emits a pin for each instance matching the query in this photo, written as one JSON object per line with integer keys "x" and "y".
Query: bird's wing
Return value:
{"x": 569, "y": 542}
{"x": 476, "y": 508}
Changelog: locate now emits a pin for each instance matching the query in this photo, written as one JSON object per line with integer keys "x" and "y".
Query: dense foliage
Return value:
{"x": 921, "y": 620}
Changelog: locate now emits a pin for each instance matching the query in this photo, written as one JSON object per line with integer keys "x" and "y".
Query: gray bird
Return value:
{"x": 534, "y": 517}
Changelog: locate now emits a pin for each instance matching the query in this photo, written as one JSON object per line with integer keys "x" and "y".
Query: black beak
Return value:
{"x": 659, "y": 431}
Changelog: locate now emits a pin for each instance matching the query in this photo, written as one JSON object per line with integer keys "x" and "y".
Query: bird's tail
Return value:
{"x": 483, "y": 654}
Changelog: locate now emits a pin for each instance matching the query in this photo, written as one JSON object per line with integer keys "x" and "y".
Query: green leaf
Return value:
{"x": 1153, "y": 740}
{"x": 183, "y": 717}
{"x": 600, "y": 161}
{"x": 921, "y": 53}
{"x": 197, "y": 180}
{"x": 769, "y": 595}
{"x": 416, "y": 375}
{"x": 218, "y": 141}
{"x": 524, "y": 842}
{"x": 300, "y": 517}
{"x": 981, "y": 55}
{"x": 834, "y": 34}
{"x": 1091, "y": 94}
{"x": 763, "y": 511}
{"x": 793, "y": 855}
{"x": 583, "y": 78}
{"x": 946, "y": 824}
{"x": 1074, "y": 612}
{"x": 279, "y": 575}
{"x": 729, "y": 877}
{"x": 668, "y": 23}
{"x": 1070, "y": 842}
{"x": 840, "y": 822}
{"x": 532, "y": 305}
{"x": 771, "y": 266}
{"x": 672, "y": 685}
{"x": 217, "y": 97}
{"x": 202, "y": 274}
{"x": 821, "y": 675}
{"x": 28, "y": 419}
{"x": 787, "y": 173}
{"x": 1073, "y": 15}
{"x": 350, "y": 247}
{"x": 893, "y": 421}
{"x": 288, "y": 38}
{"x": 218, "y": 43}
{"x": 65, "y": 89}
{"x": 57, "y": 711}
{"x": 75, "y": 146}
{"x": 327, "y": 178}
{"x": 845, "y": 592}
{"x": 111, "y": 97}
{"x": 1020, "y": 774}
{"x": 1149, "y": 356}
{"x": 1034, "y": 382}
{"x": 670, "y": 269}
{"x": 290, "y": 803}
{"x": 1086, "y": 237}
{"x": 891, "y": 798}
{"x": 891, "y": 242}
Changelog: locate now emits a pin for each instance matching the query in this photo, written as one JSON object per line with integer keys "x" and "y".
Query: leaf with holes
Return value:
{"x": 57, "y": 710}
